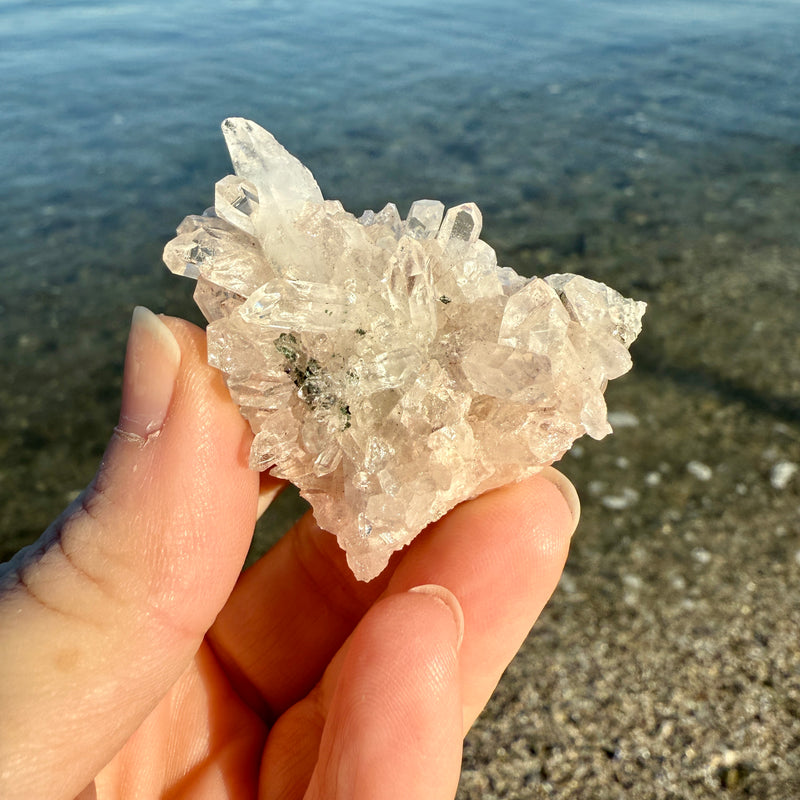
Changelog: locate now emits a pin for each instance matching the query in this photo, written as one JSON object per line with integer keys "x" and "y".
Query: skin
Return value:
{"x": 138, "y": 661}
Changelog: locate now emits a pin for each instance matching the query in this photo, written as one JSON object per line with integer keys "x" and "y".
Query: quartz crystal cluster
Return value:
{"x": 388, "y": 367}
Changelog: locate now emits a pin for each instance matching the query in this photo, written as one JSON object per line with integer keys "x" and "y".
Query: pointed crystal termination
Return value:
{"x": 389, "y": 367}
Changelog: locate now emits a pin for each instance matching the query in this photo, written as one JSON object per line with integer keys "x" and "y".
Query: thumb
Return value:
{"x": 102, "y": 615}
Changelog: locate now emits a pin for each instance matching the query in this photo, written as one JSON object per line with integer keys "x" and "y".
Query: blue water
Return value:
{"x": 107, "y": 106}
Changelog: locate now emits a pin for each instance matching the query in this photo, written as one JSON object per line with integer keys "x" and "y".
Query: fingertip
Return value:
{"x": 152, "y": 363}
{"x": 567, "y": 491}
{"x": 144, "y": 319}
{"x": 450, "y": 601}
{"x": 394, "y": 726}
{"x": 501, "y": 554}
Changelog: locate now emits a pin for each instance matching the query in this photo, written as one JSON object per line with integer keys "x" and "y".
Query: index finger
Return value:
{"x": 501, "y": 554}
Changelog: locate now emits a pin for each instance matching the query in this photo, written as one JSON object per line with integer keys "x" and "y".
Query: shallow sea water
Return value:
{"x": 655, "y": 147}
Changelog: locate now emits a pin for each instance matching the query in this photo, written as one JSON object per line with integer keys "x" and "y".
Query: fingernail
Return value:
{"x": 269, "y": 488}
{"x": 151, "y": 367}
{"x": 568, "y": 492}
{"x": 449, "y": 599}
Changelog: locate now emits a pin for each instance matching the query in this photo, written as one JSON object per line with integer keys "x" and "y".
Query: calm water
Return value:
{"x": 112, "y": 108}
{"x": 609, "y": 137}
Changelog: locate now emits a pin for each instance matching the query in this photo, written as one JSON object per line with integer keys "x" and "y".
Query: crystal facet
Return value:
{"x": 388, "y": 367}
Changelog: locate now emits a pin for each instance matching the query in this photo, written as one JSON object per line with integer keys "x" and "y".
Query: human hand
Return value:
{"x": 138, "y": 662}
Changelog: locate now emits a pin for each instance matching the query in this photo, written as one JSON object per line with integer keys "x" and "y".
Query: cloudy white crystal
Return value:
{"x": 388, "y": 367}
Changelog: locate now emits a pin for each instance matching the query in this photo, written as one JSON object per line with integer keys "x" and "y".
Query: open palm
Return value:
{"x": 138, "y": 661}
